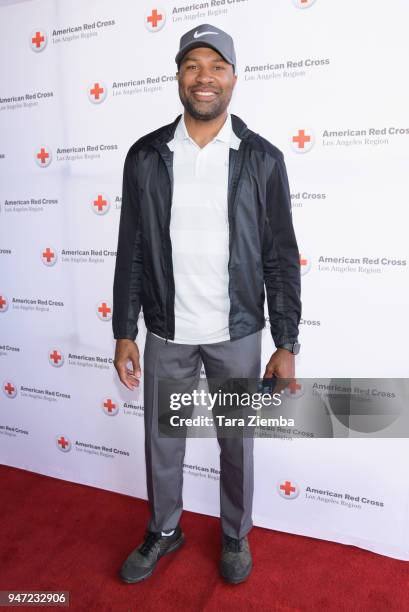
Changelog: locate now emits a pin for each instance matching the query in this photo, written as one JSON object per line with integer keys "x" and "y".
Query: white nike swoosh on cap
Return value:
{"x": 197, "y": 34}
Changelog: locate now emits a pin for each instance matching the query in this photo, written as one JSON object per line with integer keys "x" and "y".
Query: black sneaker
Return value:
{"x": 142, "y": 560}
{"x": 236, "y": 561}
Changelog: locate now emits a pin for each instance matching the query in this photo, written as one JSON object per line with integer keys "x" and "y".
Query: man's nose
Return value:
{"x": 205, "y": 75}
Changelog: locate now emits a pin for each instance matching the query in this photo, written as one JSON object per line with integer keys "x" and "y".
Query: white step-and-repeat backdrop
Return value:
{"x": 326, "y": 82}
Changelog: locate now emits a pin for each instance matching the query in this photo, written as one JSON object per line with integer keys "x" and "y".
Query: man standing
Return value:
{"x": 205, "y": 226}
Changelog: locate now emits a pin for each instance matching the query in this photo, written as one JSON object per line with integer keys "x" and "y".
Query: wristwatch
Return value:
{"x": 293, "y": 347}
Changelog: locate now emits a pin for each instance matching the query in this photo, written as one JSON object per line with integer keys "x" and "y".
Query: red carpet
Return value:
{"x": 64, "y": 536}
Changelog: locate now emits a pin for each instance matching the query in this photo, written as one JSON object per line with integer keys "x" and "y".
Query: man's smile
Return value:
{"x": 204, "y": 94}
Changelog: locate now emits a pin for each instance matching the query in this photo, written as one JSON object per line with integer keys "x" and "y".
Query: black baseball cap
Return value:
{"x": 207, "y": 35}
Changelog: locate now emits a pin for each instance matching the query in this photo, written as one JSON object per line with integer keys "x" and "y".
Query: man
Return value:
{"x": 205, "y": 225}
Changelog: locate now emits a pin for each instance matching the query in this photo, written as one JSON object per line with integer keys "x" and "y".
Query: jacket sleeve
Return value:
{"x": 281, "y": 262}
{"x": 128, "y": 265}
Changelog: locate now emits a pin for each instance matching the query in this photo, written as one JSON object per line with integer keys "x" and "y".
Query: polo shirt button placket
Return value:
{"x": 200, "y": 160}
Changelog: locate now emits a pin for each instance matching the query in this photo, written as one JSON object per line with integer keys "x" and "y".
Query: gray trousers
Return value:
{"x": 164, "y": 455}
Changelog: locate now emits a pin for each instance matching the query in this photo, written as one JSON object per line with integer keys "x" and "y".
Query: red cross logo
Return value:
{"x": 3, "y": 304}
{"x": 301, "y": 139}
{"x": 155, "y": 20}
{"x": 9, "y": 388}
{"x": 305, "y": 264}
{"x": 288, "y": 489}
{"x": 48, "y": 254}
{"x": 55, "y": 356}
{"x": 109, "y": 405}
{"x": 104, "y": 309}
{"x": 97, "y": 92}
{"x": 100, "y": 203}
{"x": 38, "y": 40}
{"x": 43, "y": 157}
{"x": 63, "y": 443}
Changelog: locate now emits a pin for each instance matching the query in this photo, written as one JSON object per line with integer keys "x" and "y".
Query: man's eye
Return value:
{"x": 191, "y": 66}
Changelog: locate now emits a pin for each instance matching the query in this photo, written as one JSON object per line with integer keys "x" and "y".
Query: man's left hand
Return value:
{"x": 281, "y": 365}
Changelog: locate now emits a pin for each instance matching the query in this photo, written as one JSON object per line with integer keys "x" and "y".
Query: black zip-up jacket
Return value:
{"x": 262, "y": 245}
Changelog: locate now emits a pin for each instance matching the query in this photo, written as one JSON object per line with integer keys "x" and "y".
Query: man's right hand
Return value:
{"x": 127, "y": 350}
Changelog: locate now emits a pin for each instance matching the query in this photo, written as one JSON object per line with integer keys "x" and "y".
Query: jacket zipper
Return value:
{"x": 232, "y": 196}
{"x": 164, "y": 241}
{"x": 167, "y": 262}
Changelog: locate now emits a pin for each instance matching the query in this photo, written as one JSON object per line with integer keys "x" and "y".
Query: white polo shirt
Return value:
{"x": 199, "y": 232}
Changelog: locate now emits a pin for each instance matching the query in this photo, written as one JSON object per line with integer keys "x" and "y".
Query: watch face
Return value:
{"x": 296, "y": 348}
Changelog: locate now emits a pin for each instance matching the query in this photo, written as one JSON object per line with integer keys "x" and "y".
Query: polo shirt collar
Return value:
{"x": 224, "y": 134}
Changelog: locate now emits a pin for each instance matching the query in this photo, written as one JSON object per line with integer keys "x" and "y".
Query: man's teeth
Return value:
{"x": 206, "y": 93}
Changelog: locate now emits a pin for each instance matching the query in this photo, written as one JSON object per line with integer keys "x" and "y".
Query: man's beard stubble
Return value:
{"x": 216, "y": 109}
